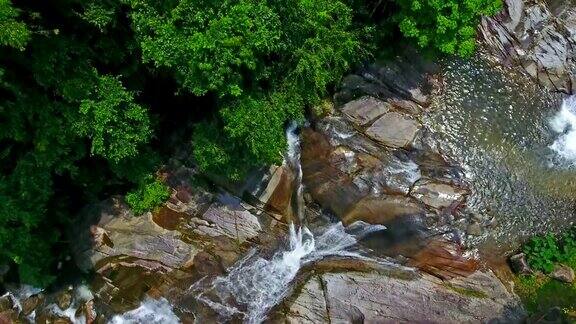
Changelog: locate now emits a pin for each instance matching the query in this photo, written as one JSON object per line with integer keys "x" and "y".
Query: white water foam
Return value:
{"x": 151, "y": 311}
{"x": 293, "y": 159}
{"x": 256, "y": 284}
{"x": 564, "y": 123}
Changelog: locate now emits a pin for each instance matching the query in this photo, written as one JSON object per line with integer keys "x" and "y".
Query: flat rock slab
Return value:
{"x": 141, "y": 238}
{"x": 355, "y": 297}
{"x": 230, "y": 218}
{"x": 394, "y": 129}
{"x": 364, "y": 110}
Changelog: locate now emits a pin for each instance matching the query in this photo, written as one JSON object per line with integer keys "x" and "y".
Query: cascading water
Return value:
{"x": 255, "y": 284}
{"x": 564, "y": 123}
{"x": 151, "y": 311}
{"x": 293, "y": 160}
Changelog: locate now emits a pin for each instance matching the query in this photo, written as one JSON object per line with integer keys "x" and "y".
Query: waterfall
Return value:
{"x": 256, "y": 284}
{"x": 564, "y": 124}
{"x": 293, "y": 160}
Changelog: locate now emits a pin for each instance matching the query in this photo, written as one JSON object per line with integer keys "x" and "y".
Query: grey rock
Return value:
{"x": 563, "y": 273}
{"x": 394, "y": 129}
{"x": 376, "y": 298}
{"x": 474, "y": 229}
{"x": 364, "y": 110}
{"x": 310, "y": 306}
{"x": 232, "y": 219}
{"x": 538, "y": 38}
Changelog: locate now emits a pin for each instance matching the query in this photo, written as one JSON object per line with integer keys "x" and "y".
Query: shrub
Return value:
{"x": 150, "y": 194}
{"x": 542, "y": 252}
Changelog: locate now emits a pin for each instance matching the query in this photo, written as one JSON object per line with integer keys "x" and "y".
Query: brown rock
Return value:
{"x": 87, "y": 310}
{"x": 6, "y": 303}
{"x": 562, "y": 273}
{"x": 444, "y": 259}
{"x": 280, "y": 188}
{"x": 519, "y": 264}
{"x": 382, "y": 210}
{"x": 30, "y": 303}
{"x": 328, "y": 184}
{"x": 61, "y": 320}
{"x": 8, "y": 311}
{"x": 183, "y": 193}
{"x": 64, "y": 299}
{"x": 168, "y": 218}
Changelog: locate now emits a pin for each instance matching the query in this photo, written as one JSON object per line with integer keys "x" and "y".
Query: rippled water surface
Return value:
{"x": 500, "y": 127}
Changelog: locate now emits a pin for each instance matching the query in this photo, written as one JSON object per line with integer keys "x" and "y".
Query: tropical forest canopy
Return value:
{"x": 92, "y": 90}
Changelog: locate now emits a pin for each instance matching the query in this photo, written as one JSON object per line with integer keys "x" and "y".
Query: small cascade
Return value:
{"x": 151, "y": 311}
{"x": 256, "y": 284}
{"x": 293, "y": 160}
{"x": 564, "y": 124}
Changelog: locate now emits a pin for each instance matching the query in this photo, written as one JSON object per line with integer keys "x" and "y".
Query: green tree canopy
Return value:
{"x": 448, "y": 26}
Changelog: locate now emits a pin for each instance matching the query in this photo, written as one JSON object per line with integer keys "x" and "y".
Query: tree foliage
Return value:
{"x": 265, "y": 60}
{"x": 13, "y": 32}
{"x": 57, "y": 111}
{"x": 447, "y": 26}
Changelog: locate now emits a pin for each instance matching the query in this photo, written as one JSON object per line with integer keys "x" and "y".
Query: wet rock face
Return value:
{"x": 372, "y": 160}
{"x": 369, "y": 297}
{"x": 539, "y": 37}
{"x": 437, "y": 194}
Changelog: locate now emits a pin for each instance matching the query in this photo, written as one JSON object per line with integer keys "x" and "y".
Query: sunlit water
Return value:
{"x": 517, "y": 143}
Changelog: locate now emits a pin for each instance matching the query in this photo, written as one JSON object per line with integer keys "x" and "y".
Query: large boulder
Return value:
{"x": 355, "y": 297}
{"x": 119, "y": 233}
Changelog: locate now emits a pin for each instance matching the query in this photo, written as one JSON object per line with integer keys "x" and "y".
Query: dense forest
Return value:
{"x": 92, "y": 91}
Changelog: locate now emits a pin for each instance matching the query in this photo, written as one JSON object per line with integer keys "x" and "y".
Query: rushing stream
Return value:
{"x": 517, "y": 143}
{"x": 256, "y": 284}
